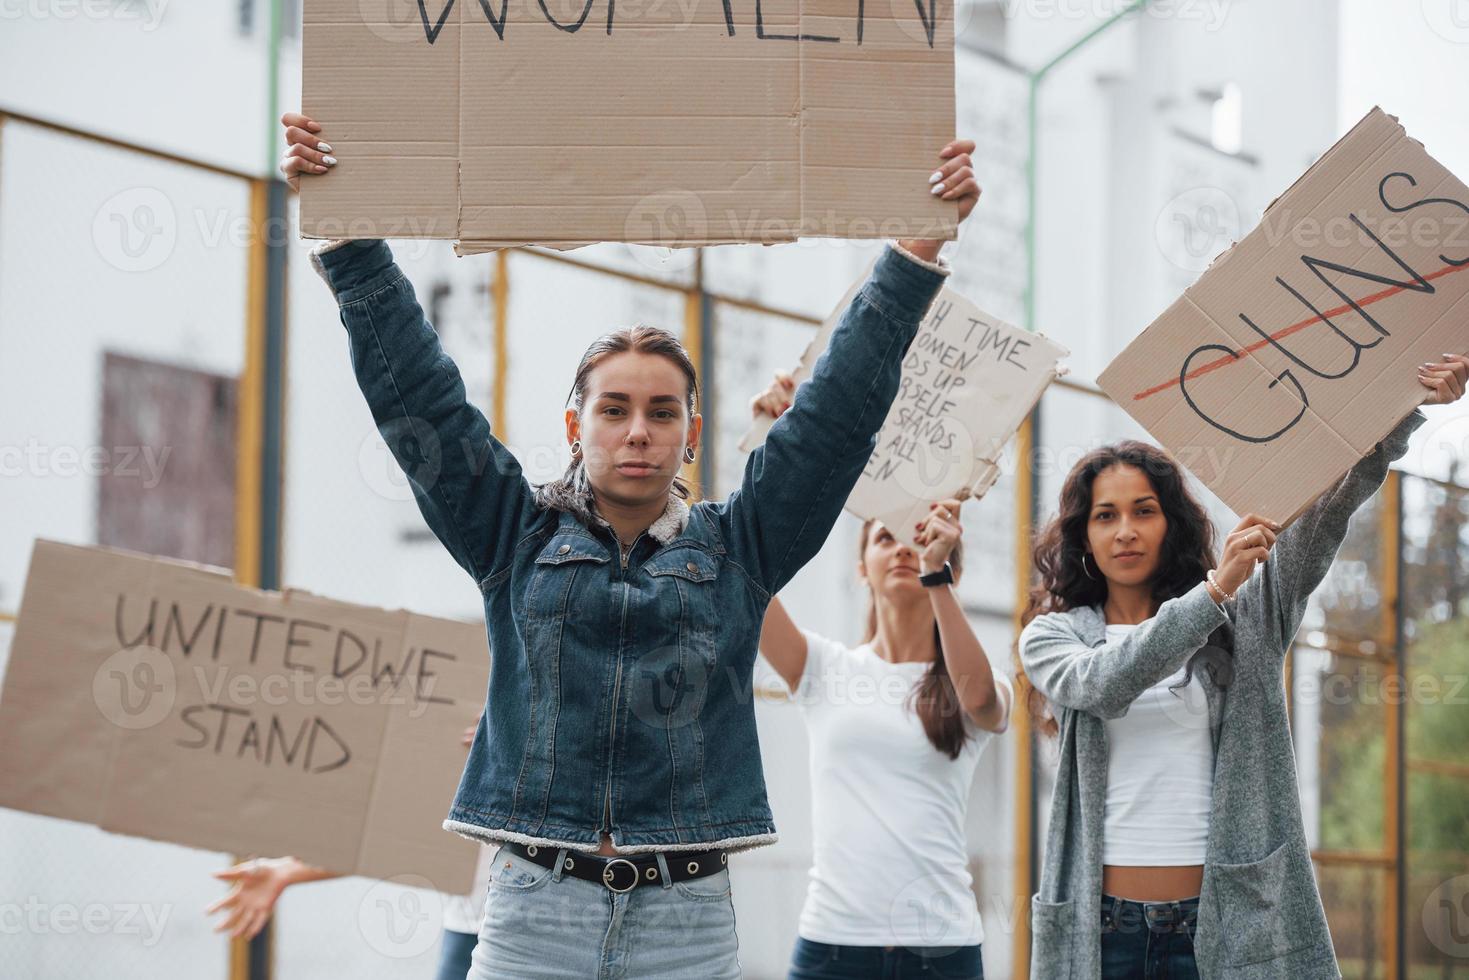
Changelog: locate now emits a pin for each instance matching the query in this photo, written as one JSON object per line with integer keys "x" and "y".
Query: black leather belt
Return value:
{"x": 623, "y": 874}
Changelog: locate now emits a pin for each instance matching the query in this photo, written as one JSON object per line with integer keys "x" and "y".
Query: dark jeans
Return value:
{"x": 823, "y": 961}
{"x": 1149, "y": 940}
{"x": 454, "y": 954}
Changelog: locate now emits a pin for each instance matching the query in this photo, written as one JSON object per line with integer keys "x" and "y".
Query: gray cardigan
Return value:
{"x": 1260, "y": 916}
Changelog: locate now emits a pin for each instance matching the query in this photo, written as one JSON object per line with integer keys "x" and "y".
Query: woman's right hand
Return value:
{"x": 257, "y": 887}
{"x": 774, "y": 401}
{"x": 1247, "y": 545}
{"x": 306, "y": 153}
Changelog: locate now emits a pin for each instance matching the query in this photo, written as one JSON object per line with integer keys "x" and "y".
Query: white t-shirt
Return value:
{"x": 891, "y": 862}
{"x": 465, "y": 913}
{"x": 1160, "y": 775}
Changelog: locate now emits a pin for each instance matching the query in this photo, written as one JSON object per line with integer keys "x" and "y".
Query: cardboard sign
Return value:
{"x": 675, "y": 122}
{"x": 159, "y": 699}
{"x": 968, "y": 382}
{"x": 1296, "y": 352}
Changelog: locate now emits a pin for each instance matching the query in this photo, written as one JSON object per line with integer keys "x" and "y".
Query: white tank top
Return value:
{"x": 891, "y": 863}
{"x": 1160, "y": 775}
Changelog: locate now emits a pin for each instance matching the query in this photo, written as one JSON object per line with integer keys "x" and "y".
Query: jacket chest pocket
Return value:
{"x": 672, "y": 674}
{"x": 565, "y": 611}
{"x": 566, "y": 563}
{"x": 683, "y": 586}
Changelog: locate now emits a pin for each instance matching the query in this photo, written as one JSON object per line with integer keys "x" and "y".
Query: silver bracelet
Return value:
{"x": 1212, "y": 580}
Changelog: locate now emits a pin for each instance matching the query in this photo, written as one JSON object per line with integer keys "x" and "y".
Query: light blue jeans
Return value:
{"x": 540, "y": 923}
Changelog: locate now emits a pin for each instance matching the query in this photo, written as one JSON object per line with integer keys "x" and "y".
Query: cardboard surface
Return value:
{"x": 672, "y": 122}
{"x": 1296, "y": 351}
{"x": 159, "y": 699}
{"x": 968, "y": 382}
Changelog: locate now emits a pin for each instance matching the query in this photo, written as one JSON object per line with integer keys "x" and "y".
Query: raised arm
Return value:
{"x": 783, "y": 645}
{"x": 1278, "y": 593}
{"x": 984, "y": 698}
{"x": 1304, "y": 551}
{"x": 796, "y": 483}
{"x": 1106, "y": 680}
{"x": 468, "y": 486}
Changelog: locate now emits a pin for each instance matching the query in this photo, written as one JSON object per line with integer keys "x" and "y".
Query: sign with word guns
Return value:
{"x": 1295, "y": 353}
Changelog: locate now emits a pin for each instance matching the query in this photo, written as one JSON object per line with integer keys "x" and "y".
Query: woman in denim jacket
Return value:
{"x": 1176, "y": 847}
{"x": 617, "y": 758}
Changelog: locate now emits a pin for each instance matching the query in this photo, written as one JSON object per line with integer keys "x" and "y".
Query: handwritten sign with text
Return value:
{"x": 158, "y": 699}
{"x": 675, "y": 122}
{"x": 968, "y": 382}
{"x": 1295, "y": 353}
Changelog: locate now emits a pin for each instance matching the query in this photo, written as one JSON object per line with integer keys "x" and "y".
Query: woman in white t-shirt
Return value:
{"x": 896, "y": 727}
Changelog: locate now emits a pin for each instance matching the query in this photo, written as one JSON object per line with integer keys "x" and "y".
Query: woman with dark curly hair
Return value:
{"x": 1176, "y": 836}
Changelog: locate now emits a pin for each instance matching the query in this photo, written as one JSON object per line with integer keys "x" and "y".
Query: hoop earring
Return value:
{"x": 1083, "y": 568}
{"x": 575, "y": 448}
{"x": 688, "y": 454}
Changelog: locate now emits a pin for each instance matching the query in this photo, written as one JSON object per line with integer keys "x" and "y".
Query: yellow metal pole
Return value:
{"x": 1020, "y": 721}
{"x": 249, "y": 448}
{"x": 250, "y": 431}
{"x": 500, "y": 297}
{"x": 696, "y": 473}
{"x": 1390, "y": 554}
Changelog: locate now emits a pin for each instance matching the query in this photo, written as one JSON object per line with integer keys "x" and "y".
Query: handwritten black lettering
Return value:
{"x": 433, "y": 32}
{"x": 292, "y": 643}
{"x": 1410, "y": 281}
{"x": 145, "y": 632}
{"x": 212, "y": 723}
{"x": 1283, "y": 376}
{"x": 174, "y": 625}
{"x": 426, "y": 677}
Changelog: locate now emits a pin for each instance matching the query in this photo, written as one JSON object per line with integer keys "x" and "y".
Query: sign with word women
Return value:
{"x": 1294, "y": 354}
{"x": 157, "y": 698}
{"x": 675, "y": 122}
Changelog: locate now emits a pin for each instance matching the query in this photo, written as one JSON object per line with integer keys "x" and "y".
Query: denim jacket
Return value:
{"x": 1260, "y": 915}
{"x": 620, "y": 694}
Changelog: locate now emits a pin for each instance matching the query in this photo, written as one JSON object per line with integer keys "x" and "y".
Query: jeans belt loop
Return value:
{"x": 665, "y": 877}
{"x": 560, "y": 865}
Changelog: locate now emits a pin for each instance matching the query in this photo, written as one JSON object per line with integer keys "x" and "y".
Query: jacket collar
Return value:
{"x": 669, "y": 525}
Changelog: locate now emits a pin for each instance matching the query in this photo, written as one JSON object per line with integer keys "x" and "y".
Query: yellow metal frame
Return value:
{"x": 249, "y": 448}
{"x": 1020, "y": 720}
{"x": 1389, "y": 539}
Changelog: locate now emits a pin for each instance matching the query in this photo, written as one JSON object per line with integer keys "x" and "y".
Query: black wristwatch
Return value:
{"x": 944, "y": 576}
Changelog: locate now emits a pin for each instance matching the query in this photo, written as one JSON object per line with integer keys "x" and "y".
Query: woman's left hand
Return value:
{"x": 954, "y": 180}
{"x": 938, "y": 535}
{"x": 1445, "y": 380}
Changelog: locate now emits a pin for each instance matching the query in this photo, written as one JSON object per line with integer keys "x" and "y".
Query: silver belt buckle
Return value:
{"x": 608, "y": 874}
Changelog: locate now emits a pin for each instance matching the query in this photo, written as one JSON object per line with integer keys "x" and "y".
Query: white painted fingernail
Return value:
{"x": 324, "y": 147}
{"x": 936, "y": 176}
{"x": 329, "y": 161}
{"x": 937, "y": 189}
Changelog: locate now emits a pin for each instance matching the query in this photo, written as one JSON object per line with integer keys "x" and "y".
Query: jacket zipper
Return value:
{"x": 616, "y": 690}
